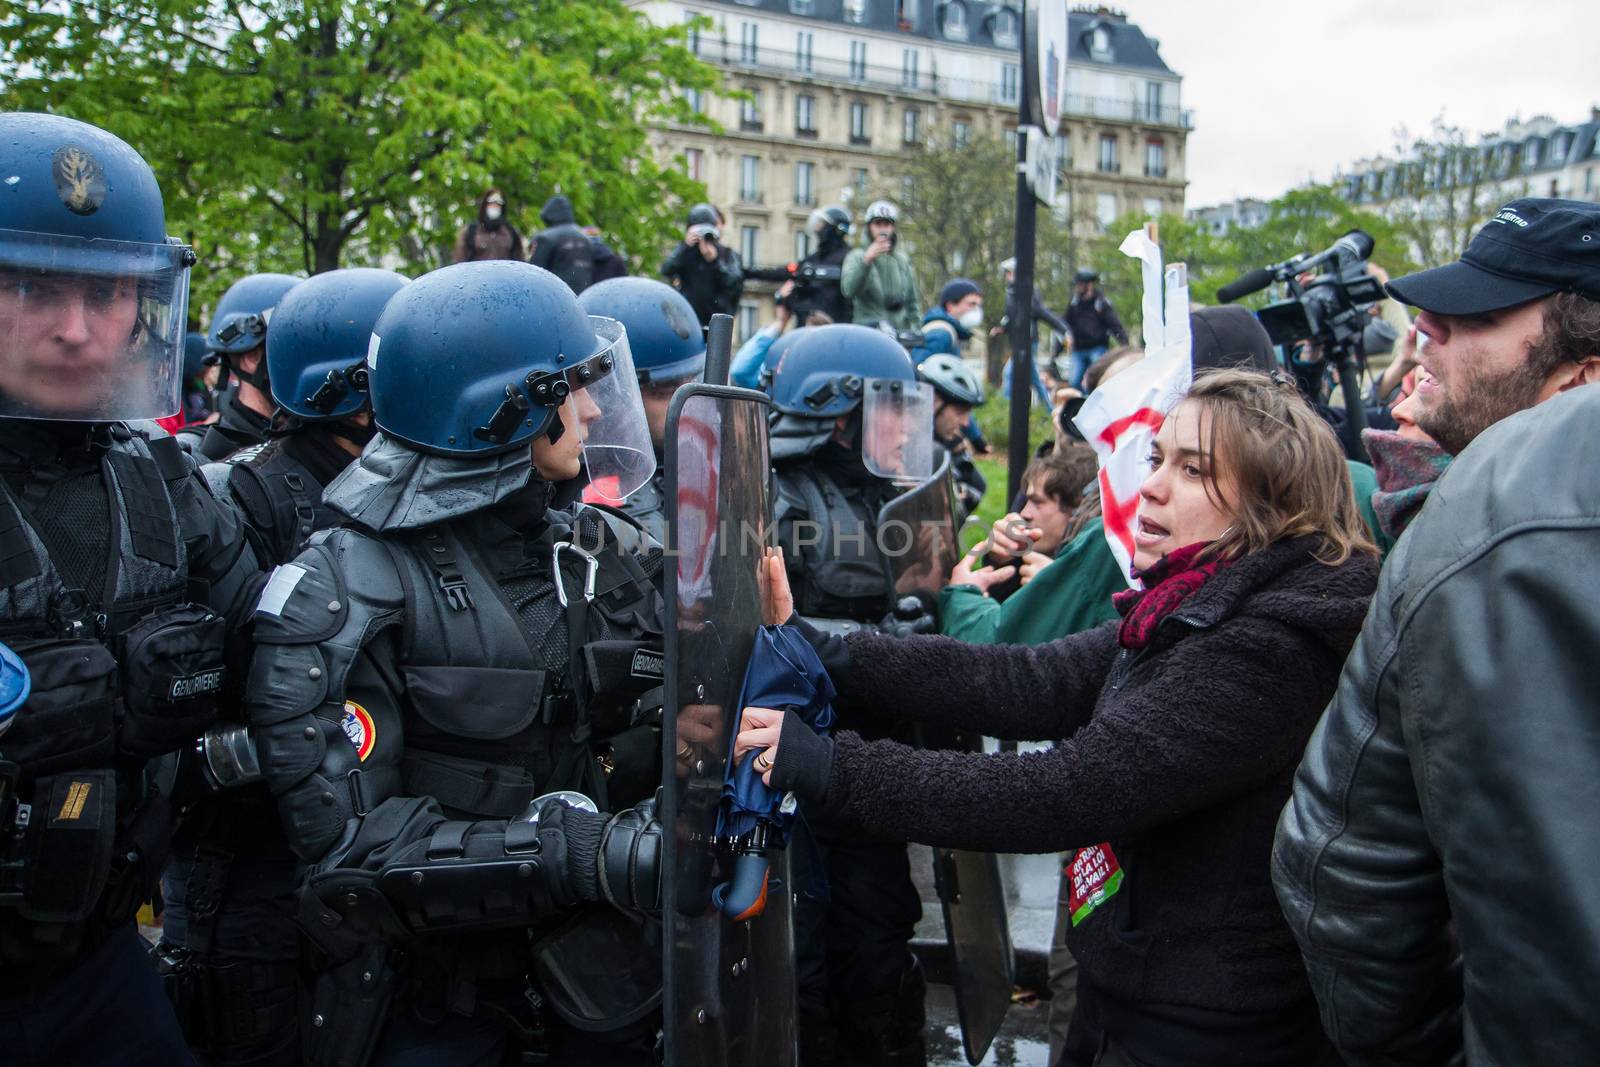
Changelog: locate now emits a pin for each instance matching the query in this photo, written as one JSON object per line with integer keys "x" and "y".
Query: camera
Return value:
{"x": 1331, "y": 309}
{"x": 704, "y": 231}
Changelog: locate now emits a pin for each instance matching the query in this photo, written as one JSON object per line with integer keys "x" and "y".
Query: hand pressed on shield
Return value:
{"x": 967, "y": 573}
{"x": 777, "y": 600}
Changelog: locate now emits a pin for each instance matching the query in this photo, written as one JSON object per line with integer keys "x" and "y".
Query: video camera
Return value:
{"x": 807, "y": 278}
{"x": 1331, "y": 309}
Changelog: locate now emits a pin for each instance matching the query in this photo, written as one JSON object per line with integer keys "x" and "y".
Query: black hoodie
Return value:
{"x": 561, "y": 247}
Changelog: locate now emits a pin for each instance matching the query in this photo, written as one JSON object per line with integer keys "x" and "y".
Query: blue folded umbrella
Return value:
{"x": 783, "y": 673}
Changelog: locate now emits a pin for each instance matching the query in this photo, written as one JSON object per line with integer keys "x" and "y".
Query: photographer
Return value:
{"x": 816, "y": 285}
{"x": 877, "y": 279}
{"x": 707, "y": 272}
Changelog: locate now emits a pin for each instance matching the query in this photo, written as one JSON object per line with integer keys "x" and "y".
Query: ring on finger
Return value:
{"x": 764, "y": 761}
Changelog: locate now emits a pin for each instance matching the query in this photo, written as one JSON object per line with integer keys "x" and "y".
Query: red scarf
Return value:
{"x": 1166, "y": 585}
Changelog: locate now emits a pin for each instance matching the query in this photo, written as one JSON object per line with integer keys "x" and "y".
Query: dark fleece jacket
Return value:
{"x": 1180, "y": 755}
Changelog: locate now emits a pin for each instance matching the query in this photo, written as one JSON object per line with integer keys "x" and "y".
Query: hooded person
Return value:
{"x": 950, "y": 323}
{"x": 562, "y": 248}
{"x": 446, "y": 774}
{"x": 490, "y": 235}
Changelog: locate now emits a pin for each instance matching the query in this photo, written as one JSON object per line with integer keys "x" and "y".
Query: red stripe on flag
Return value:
{"x": 1143, "y": 417}
{"x": 1119, "y": 514}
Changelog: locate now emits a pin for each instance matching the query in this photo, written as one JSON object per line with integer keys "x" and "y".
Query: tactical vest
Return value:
{"x": 845, "y": 573}
{"x": 234, "y": 429}
{"x": 112, "y": 690}
{"x": 495, "y": 716}
{"x": 278, "y": 497}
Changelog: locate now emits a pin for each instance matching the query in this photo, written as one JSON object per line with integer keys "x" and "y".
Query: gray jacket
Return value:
{"x": 1438, "y": 858}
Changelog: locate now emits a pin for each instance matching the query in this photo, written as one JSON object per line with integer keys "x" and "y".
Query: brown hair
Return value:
{"x": 1571, "y": 334}
{"x": 1062, "y": 474}
{"x": 1288, "y": 468}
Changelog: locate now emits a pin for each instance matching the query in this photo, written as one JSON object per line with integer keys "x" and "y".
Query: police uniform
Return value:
{"x": 236, "y": 427}
{"x": 453, "y": 652}
{"x": 230, "y": 943}
{"x": 121, "y": 583}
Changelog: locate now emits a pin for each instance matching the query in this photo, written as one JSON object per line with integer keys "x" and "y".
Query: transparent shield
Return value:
{"x": 919, "y": 535}
{"x": 729, "y": 994}
{"x": 897, "y": 429}
{"x": 616, "y": 446}
{"x": 90, "y": 331}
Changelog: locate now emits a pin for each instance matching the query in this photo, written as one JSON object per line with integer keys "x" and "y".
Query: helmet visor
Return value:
{"x": 617, "y": 451}
{"x": 897, "y": 429}
{"x": 91, "y": 330}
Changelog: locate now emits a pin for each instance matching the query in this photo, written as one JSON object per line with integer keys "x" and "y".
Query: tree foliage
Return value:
{"x": 1302, "y": 220}
{"x": 307, "y": 134}
{"x": 1444, "y": 187}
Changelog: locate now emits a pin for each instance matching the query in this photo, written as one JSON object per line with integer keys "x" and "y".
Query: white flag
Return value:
{"x": 1122, "y": 417}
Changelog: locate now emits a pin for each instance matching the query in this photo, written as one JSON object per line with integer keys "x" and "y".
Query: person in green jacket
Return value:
{"x": 877, "y": 279}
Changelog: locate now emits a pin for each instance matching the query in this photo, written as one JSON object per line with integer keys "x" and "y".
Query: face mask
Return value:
{"x": 971, "y": 318}
{"x": 491, "y": 212}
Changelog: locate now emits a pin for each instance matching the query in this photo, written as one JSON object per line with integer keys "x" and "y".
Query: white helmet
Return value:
{"x": 882, "y": 209}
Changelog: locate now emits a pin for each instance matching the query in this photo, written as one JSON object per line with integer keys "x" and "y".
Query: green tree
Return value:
{"x": 958, "y": 210}
{"x": 1445, "y": 187}
{"x": 1302, "y": 220}
{"x": 306, "y": 134}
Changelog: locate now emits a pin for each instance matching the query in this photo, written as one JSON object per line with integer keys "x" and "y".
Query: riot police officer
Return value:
{"x": 230, "y": 946}
{"x": 121, "y": 582}
{"x": 429, "y": 672}
{"x": 316, "y": 363}
{"x": 668, "y": 349}
{"x": 956, "y": 392}
{"x": 850, "y": 420}
{"x": 816, "y": 285}
{"x": 237, "y": 338}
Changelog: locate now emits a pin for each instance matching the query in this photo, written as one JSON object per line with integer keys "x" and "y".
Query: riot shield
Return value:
{"x": 919, "y": 536}
{"x": 729, "y": 996}
{"x": 918, "y": 533}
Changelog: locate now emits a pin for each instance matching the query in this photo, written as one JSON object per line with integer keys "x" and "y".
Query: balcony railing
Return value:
{"x": 843, "y": 71}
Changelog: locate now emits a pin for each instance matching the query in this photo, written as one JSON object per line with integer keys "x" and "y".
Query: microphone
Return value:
{"x": 1252, "y": 282}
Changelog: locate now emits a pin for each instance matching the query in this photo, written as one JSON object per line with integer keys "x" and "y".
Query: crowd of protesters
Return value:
{"x": 1318, "y": 749}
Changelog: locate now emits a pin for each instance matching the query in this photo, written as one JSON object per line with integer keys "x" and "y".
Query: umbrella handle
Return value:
{"x": 744, "y": 896}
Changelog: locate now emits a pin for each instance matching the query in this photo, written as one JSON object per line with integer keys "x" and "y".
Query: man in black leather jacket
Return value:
{"x": 1436, "y": 859}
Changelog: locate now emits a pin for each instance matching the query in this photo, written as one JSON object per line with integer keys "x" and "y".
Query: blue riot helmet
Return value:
{"x": 194, "y": 355}
{"x": 840, "y": 371}
{"x": 93, "y": 293}
{"x": 317, "y": 347}
{"x": 478, "y": 359}
{"x": 664, "y": 335}
{"x": 239, "y": 324}
{"x": 781, "y": 344}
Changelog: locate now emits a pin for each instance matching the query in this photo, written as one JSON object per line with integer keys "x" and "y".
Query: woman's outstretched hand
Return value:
{"x": 759, "y": 729}
{"x": 777, "y": 600}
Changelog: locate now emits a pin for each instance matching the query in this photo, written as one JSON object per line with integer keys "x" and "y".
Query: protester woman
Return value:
{"x": 1178, "y": 730}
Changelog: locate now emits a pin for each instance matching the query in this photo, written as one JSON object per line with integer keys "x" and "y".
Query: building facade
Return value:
{"x": 838, "y": 89}
{"x": 1242, "y": 214}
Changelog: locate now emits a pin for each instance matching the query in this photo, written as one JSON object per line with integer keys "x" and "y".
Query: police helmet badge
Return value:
{"x": 80, "y": 179}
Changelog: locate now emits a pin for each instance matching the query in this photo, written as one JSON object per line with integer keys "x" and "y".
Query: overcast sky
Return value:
{"x": 1282, "y": 92}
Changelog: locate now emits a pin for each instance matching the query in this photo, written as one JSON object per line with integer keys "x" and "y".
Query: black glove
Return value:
{"x": 911, "y": 615}
{"x": 630, "y": 858}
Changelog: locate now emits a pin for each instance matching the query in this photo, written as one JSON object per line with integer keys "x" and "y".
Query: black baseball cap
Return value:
{"x": 1229, "y": 337}
{"x": 1530, "y": 249}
